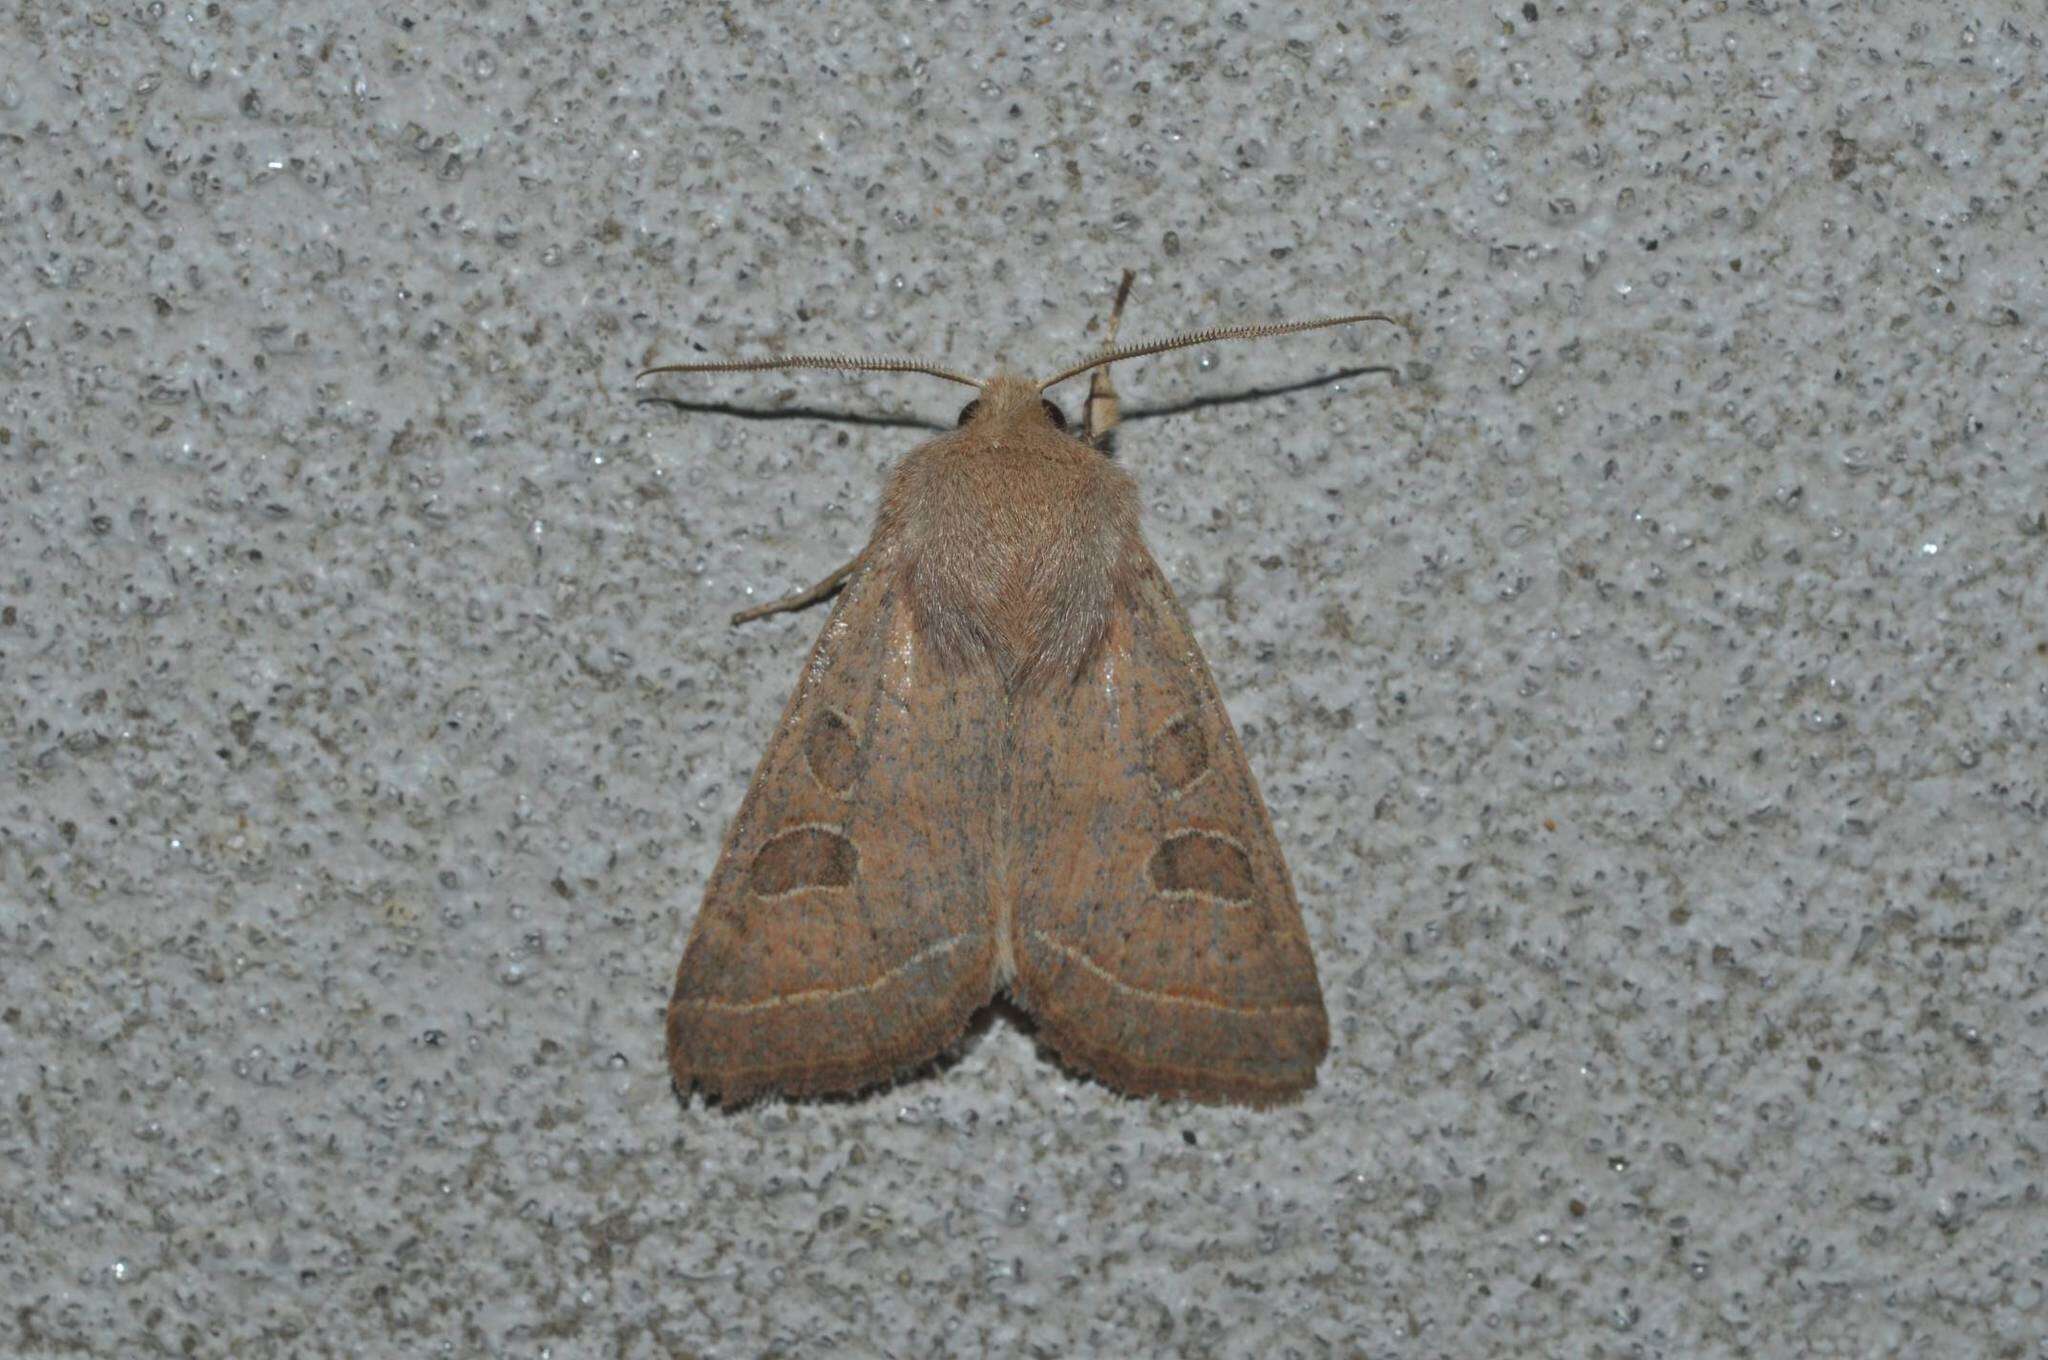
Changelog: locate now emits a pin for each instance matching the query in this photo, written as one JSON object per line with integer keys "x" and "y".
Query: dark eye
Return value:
{"x": 1054, "y": 414}
{"x": 967, "y": 412}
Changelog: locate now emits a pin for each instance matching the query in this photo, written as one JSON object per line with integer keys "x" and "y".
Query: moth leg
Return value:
{"x": 1100, "y": 414}
{"x": 803, "y": 599}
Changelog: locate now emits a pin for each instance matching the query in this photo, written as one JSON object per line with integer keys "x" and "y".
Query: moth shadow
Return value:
{"x": 984, "y": 1020}
{"x": 1252, "y": 394}
{"x": 727, "y": 408}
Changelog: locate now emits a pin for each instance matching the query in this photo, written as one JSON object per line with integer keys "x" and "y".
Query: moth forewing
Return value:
{"x": 844, "y": 935}
{"x": 1158, "y": 943}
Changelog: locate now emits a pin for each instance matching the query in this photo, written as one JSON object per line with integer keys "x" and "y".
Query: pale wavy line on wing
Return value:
{"x": 821, "y": 994}
{"x": 1170, "y": 998}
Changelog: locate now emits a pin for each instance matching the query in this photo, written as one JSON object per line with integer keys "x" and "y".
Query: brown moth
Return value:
{"x": 1006, "y": 768}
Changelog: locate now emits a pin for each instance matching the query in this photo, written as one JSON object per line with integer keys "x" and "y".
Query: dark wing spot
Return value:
{"x": 806, "y": 857}
{"x": 1178, "y": 754}
{"x": 1205, "y": 864}
{"x": 832, "y": 751}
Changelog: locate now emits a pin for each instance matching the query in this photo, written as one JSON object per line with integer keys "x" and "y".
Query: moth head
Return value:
{"x": 1008, "y": 398}
{"x": 972, "y": 411}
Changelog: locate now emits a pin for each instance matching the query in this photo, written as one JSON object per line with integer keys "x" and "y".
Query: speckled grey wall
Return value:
{"x": 1647, "y": 675}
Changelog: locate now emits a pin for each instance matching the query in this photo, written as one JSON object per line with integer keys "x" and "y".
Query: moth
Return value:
{"x": 1005, "y": 769}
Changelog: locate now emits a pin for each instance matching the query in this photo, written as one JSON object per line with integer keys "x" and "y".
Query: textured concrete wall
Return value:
{"x": 1648, "y": 677}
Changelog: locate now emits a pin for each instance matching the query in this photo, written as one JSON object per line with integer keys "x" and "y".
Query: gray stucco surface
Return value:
{"x": 1647, "y": 675}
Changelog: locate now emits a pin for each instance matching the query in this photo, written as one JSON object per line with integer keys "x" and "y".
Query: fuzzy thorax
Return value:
{"x": 1013, "y": 538}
